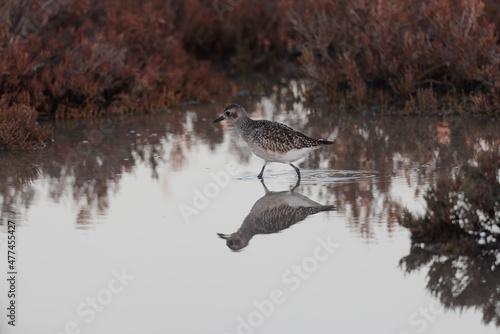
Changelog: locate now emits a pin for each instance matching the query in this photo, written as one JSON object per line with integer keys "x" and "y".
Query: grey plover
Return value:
{"x": 271, "y": 141}
{"x": 272, "y": 213}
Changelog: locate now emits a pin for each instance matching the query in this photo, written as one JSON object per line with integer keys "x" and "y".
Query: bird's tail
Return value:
{"x": 326, "y": 142}
{"x": 328, "y": 208}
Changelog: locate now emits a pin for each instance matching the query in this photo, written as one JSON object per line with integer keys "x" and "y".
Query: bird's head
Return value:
{"x": 233, "y": 113}
{"x": 235, "y": 241}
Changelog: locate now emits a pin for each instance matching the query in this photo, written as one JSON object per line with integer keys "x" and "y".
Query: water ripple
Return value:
{"x": 317, "y": 176}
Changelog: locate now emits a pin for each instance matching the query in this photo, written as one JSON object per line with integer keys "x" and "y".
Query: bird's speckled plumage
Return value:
{"x": 275, "y": 136}
{"x": 271, "y": 141}
{"x": 273, "y": 213}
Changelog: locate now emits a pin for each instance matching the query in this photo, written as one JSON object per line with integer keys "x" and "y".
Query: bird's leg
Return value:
{"x": 262, "y": 171}
{"x": 264, "y": 185}
{"x": 296, "y": 185}
{"x": 296, "y": 169}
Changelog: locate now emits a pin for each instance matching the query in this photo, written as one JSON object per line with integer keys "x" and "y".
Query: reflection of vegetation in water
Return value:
{"x": 460, "y": 282}
{"x": 463, "y": 211}
{"x": 85, "y": 163}
{"x": 458, "y": 238}
{"x": 390, "y": 147}
{"x": 17, "y": 171}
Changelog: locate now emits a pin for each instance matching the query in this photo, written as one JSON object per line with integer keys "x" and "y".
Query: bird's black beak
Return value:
{"x": 221, "y": 235}
{"x": 219, "y": 119}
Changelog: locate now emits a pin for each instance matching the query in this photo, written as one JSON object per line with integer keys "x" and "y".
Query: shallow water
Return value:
{"x": 123, "y": 226}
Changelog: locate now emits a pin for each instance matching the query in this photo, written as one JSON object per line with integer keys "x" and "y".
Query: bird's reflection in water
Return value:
{"x": 274, "y": 212}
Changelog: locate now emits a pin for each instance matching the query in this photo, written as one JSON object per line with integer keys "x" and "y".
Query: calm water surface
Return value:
{"x": 158, "y": 224}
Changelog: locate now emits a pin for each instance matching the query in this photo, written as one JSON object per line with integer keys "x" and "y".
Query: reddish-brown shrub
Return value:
{"x": 20, "y": 130}
{"x": 91, "y": 57}
{"x": 87, "y": 57}
{"x": 404, "y": 45}
{"x": 250, "y": 33}
{"x": 492, "y": 11}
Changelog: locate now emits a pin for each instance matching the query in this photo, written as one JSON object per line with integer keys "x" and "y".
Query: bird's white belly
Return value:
{"x": 284, "y": 157}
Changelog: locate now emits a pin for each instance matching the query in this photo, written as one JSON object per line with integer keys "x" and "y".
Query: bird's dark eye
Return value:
{"x": 228, "y": 113}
